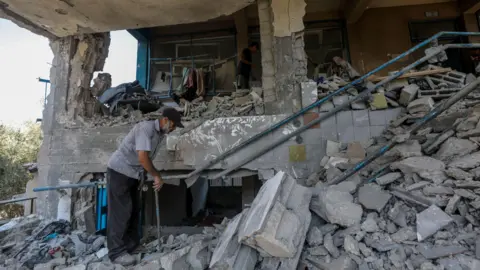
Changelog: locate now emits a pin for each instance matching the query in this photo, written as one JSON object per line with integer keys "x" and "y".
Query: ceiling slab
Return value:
{"x": 68, "y": 17}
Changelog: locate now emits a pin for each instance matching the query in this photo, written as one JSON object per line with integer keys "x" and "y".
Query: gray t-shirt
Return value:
{"x": 144, "y": 136}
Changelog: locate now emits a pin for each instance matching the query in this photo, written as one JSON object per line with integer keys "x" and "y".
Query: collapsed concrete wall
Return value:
{"x": 76, "y": 58}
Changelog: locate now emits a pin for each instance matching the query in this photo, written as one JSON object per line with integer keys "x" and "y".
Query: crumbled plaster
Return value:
{"x": 288, "y": 17}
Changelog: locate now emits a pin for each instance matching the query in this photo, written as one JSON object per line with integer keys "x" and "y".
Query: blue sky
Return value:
{"x": 25, "y": 56}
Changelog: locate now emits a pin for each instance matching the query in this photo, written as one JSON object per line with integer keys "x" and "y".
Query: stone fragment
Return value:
{"x": 315, "y": 237}
{"x": 229, "y": 254}
{"x": 431, "y": 221}
{"x": 343, "y": 263}
{"x": 383, "y": 245}
{"x": 458, "y": 174}
{"x": 398, "y": 215}
{"x": 284, "y": 228}
{"x": 317, "y": 251}
{"x": 419, "y": 185}
{"x": 336, "y": 207}
{"x": 328, "y": 244}
{"x": 437, "y": 190}
{"x": 404, "y": 234}
{"x": 339, "y": 100}
{"x": 452, "y": 204}
{"x": 359, "y": 105}
{"x": 373, "y": 198}
{"x": 466, "y": 194}
{"x": 408, "y": 94}
{"x": 388, "y": 178}
{"x": 467, "y": 184}
{"x": 434, "y": 142}
{"x": 466, "y": 162}
{"x": 351, "y": 245}
{"x": 431, "y": 253}
{"x": 421, "y": 105}
{"x": 477, "y": 248}
{"x": 378, "y": 102}
{"x": 420, "y": 165}
{"x": 469, "y": 134}
{"x": 76, "y": 267}
{"x": 468, "y": 124}
{"x": 369, "y": 225}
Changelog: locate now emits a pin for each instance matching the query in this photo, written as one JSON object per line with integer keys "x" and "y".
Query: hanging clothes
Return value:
{"x": 200, "y": 83}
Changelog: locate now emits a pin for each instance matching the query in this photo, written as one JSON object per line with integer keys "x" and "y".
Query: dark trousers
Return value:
{"x": 123, "y": 214}
{"x": 243, "y": 81}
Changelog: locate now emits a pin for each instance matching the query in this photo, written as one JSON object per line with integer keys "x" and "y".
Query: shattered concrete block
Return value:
{"x": 355, "y": 151}
{"x": 388, "y": 178}
{"x": 229, "y": 254}
{"x": 408, "y": 94}
{"x": 369, "y": 225}
{"x": 336, "y": 207}
{"x": 351, "y": 245}
{"x": 437, "y": 190}
{"x": 280, "y": 229}
{"x": 315, "y": 237}
{"x": 426, "y": 167}
{"x": 466, "y": 194}
{"x": 373, "y": 198}
{"x": 431, "y": 253}
{"x": 330, "y": 246}
{"x": 466, "y": 162}
{"x": 458, "y": 174}
{"x": 339, "y": 100}
{"x": 404, "y": 234}
{"x": 421, "y": 105}
{"x": 430, "y": 221}
{"x": 452, "y": 204}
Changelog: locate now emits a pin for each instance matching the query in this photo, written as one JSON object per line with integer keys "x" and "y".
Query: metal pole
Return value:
{"x": 157, "y": 211}
{"x": 321, "y": 101}
{"x": 343, "y": 106}
{"x": 39, "y": 189}
{"x": 431, "y": 115}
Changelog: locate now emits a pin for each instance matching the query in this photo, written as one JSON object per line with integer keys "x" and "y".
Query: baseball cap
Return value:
{"x": 173, "y": 115}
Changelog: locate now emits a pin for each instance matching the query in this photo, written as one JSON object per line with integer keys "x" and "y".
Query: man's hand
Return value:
{"x": 157, "y": 183}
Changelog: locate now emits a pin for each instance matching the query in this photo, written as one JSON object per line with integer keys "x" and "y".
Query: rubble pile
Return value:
{"x": 431, "y": 81}
{"x": 240, "y": 103}
{"x": 31, "y": 243}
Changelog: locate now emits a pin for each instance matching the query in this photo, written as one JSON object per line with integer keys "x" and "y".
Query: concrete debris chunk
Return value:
{"x": 315, "y": 237}
{"x": 454, "y": 147}
{"x": 466, "y": 162}
{"x": 388, "y": 178}
{"x": 351, "y": 245}
{"x": 420, "y": 165}
{"x": 277, "y": 223}
{"x": 373, "y": 198}
{"x": 229, "y": 254}
{"x": 421, "y": 105}
{"x": 336, "y": 206}
{"x": 458, "y": 174}
{"x": 441, "y": 251}
{"x": 431, "y": 221}
{"x": 408, "y": 94}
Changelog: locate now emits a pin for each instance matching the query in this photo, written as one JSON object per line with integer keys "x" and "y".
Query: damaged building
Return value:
{"x": 187, "y": 58}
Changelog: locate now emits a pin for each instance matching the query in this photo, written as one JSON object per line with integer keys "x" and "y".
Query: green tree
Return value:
{"x": 17, "y": 147}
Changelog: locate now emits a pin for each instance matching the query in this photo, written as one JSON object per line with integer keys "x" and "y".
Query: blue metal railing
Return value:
{"x": 329, "y": 96}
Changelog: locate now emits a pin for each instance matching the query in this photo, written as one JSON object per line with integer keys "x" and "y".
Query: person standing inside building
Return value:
{"x": 245, "y": 65}
{"x": 125, "y": 167}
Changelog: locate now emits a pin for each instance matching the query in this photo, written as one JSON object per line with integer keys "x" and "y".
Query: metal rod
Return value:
{"x": 157, "y": 211}
{"x": 326, "y": 98}
{"x": 343, "y": 106}
{"x": 31, "y": 205}
{"x": 86, "y": 185}
{"x": 431, "y": 115}
{"x": 17, "y": 200}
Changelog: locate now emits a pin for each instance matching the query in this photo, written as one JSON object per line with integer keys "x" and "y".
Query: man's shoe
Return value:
{"x": 125, "y": 260}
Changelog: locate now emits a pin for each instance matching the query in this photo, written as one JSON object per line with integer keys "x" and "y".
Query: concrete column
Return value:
{"x": 241, "y": 25}
{"x": 75, "y": 60}
{"x": 284, "y": 62}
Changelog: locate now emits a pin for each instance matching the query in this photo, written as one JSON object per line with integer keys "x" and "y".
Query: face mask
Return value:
{"x": 167, "y": 127}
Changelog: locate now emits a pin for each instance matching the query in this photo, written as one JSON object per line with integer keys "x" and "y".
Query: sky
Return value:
{"x": 24, "y": 57}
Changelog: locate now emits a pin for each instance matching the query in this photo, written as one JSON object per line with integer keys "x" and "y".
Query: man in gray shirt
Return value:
{"x": 125, "y": 166}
